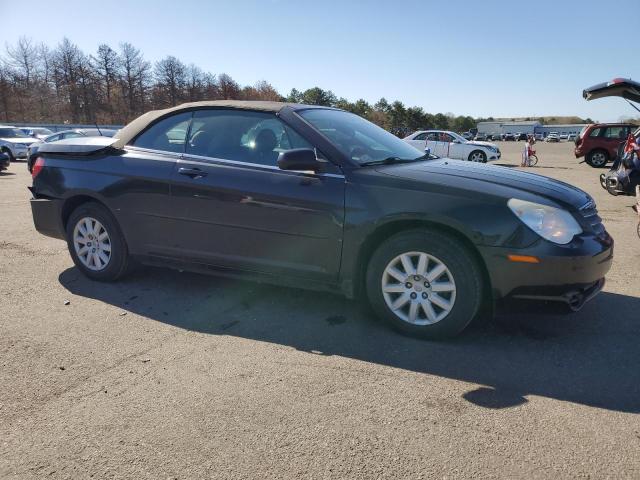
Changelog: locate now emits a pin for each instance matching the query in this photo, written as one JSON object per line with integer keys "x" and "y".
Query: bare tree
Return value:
{"x": 135, "y": 72}
{"x": 107, "y": 64}
{"x": 229, "y": 88}
{"x": 170, "y": 76}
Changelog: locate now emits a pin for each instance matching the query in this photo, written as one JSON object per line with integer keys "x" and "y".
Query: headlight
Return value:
{"x": 553, "y": 224}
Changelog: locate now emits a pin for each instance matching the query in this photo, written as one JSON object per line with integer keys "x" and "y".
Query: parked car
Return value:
{"x": 37, "y": 132}
{"x": 494, "y": 137}
{"x": 451, "y": 145}
{"x": 563, "y": 136}
{"x": 5, "y": 161}
{"x": 509, "y": 137}
{"x": 553, "y": 137}
{"x": 319, "y": 198}
{"x": 599, "y": 142}
{"x": 539, "y": 136}
{"x": 468, "y": 135}
{"x": 480, "y": 137}
{"x": 521, "y": 136}
{"x": 14, "y": 142}
{"x": 66, "y": 134}
{"x": 572, "y": 137}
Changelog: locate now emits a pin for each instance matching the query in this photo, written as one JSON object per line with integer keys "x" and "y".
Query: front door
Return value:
{"x": 240, "y": 210}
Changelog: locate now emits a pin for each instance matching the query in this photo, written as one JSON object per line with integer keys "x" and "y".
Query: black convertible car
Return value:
{"x": 320, "y": 198}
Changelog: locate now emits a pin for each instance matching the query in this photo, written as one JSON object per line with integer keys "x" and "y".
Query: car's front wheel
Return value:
{"x": 424, "y": 283}
{"x": 478, "y": 156}
{"x": 8, "y": 152}
{"x": 96, "y": 243}
{"x": 597, "y": 158}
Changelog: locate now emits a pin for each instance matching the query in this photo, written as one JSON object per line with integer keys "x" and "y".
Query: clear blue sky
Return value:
{"x": 488, "y": 58}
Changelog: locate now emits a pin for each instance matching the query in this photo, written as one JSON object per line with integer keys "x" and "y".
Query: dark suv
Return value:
{"x": 599, "y": 142}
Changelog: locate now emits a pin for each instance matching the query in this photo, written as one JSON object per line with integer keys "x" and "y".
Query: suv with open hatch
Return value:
{"x": 320, "y": 198}
{"x": 599, "y": 142}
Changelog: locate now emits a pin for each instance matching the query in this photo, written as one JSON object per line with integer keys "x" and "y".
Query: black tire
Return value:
{"x": 482, "y": 155}
{"x": 533, "y": 160}
{"x": 449, "y": 251}
{"x": 8, "y": 152}
{"x": 118, "y": 263}
{"x": 597, "y": 158}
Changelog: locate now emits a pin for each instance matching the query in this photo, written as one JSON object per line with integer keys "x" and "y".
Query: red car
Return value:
{"x": 599, "y": 142}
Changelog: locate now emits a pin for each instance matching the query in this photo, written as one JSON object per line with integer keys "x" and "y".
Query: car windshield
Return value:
{"x": 460, "y": 138}
{"x": 12, "y": 133}
{"x": 362, "y": 141}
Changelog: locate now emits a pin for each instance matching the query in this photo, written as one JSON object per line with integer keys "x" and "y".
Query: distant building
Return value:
{"x": 528, "y": 127}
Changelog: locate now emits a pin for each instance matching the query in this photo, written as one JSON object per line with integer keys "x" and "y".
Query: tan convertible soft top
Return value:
{"x": 129, "y": 132}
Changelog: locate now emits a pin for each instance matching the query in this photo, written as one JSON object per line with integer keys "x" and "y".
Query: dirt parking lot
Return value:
{"x": 177, "y": 375}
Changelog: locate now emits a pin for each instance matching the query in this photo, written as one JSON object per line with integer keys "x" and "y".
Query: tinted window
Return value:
{"x": 12, "y": 133}
{"x": 168, "y": 134}
{"x": 252, "y": 137}
{"x": 422, "y": 136}
{"x": 53, "y": 138}
{"x": 432, "y": 137}
{"x": 615, "y": 132}
{"x": 595, "y": 132}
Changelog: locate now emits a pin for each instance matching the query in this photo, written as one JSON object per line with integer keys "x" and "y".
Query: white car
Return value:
{"x": 552, "y": 137}
{"x": 14, "y": 142}
{"x": 448, "y": 144}
{"x": 563, "y": 136}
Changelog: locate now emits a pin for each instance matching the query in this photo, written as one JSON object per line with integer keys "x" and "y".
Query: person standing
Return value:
{"x": 528, "y": 150}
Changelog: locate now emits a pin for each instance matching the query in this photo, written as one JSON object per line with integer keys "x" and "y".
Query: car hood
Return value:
{"x": 618, "y": 87}
{"x": 482, "y": 144}
{"x": 539, "y": 185}
{"x": 19, "y": 141}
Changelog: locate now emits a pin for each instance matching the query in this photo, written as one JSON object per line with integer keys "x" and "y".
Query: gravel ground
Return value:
{"x": 176, "y": 375}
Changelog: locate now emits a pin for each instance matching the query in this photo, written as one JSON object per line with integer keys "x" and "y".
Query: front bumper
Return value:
{"x": 566, "y": 275}
{"x": 495, "y": 156}
{"x": 47, "y": 217}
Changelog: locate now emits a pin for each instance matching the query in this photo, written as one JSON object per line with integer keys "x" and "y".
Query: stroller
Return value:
{"x": 624, "y": 176}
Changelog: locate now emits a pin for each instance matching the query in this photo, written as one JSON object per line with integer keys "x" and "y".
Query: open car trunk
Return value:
{"x": 618, "y": 87}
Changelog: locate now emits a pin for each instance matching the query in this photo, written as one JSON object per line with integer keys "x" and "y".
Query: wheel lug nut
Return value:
{"x": 416, "y": 278}
{"x": 424, "y": 295}
{"x": 414, "y": 295}
{"x": 426, "y": 284}
{"x": 408, "y": 285}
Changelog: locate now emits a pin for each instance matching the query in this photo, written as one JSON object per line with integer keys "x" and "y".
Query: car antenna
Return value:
{"x": 99, "y": 131}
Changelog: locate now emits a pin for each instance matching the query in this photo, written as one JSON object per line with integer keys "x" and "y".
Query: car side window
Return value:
{"x": 432, "y": 137}
{"x": 53, "y": 138}
{"x": 72, "y": 135}
{"x": 614, "y": 132}
{"x": 421, "y": 136}
{"x": 241, "y": 135}
{"x": 447, "y": 138}
{"x": 595, "y": 132}
{"x": 168, "y": 134}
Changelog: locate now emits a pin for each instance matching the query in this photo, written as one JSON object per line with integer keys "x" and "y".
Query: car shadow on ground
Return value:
{"x": 590, "y": 358}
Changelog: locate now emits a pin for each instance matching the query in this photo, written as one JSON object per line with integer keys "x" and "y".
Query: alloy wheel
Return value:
{"x": 92, "y": 243}
{"x": 477, "y": 157}
{"x": 418, "y": 288}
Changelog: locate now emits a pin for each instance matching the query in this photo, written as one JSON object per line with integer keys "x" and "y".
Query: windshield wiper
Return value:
{"x": 389, "y": 161}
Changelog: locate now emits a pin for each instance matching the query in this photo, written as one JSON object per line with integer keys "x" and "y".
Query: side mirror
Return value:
{"x": 299, "y": 159}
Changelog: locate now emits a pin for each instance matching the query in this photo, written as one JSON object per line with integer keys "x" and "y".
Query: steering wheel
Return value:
{"x": 360, "y": 153}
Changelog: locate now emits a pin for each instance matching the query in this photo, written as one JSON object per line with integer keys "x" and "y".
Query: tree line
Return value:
{"x": 113, "y": 86}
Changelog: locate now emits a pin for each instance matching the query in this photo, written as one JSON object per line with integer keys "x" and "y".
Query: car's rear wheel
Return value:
{"x": 424, "y": 283}
{"x": 96, "y": 243}
{"x": 478, "y": 156}
{"x": 597, "y": 158}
